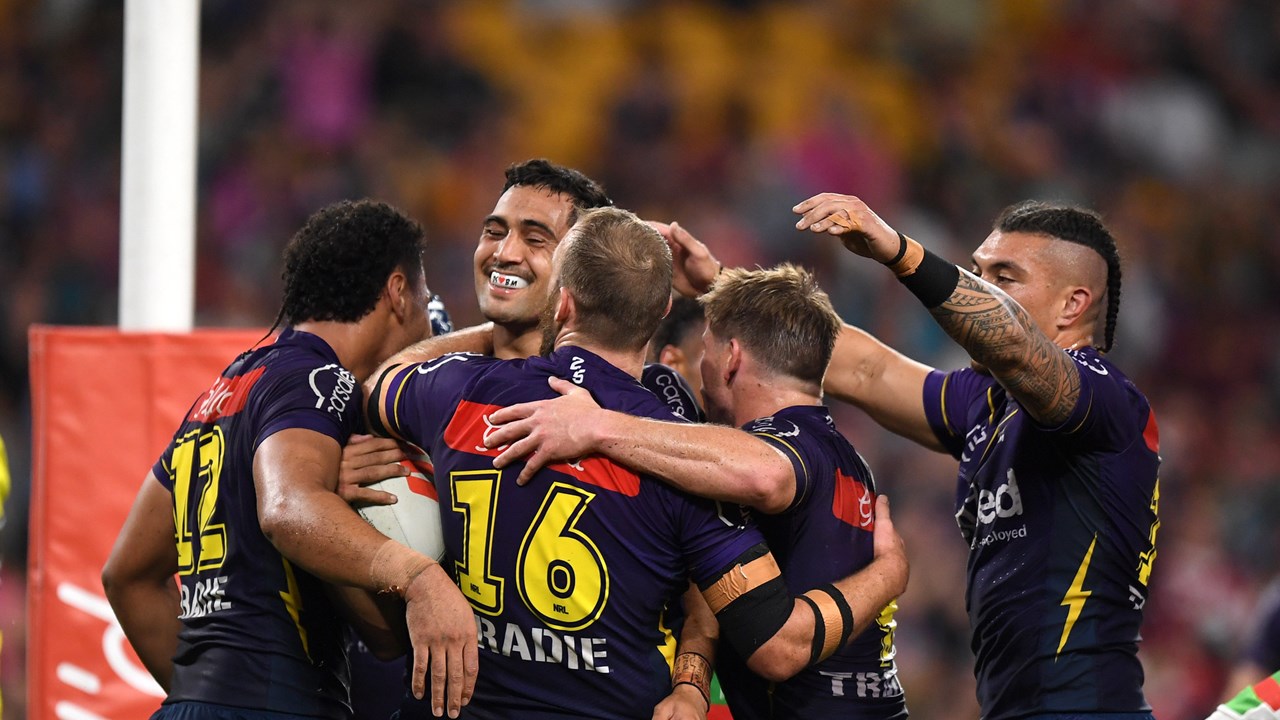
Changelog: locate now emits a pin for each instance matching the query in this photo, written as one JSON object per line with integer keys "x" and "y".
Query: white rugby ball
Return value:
{"x": 414, "y": 519}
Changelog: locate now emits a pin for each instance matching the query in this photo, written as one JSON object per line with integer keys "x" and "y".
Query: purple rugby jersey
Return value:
{"x": 825, "y": 535}
{"x": 257, "y": 632}
{"x": 571, "y": 577}
{"x": 1061, "y": 524}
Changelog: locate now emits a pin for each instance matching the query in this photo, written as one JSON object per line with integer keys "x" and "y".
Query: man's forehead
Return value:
{"x": 528, "y": 204}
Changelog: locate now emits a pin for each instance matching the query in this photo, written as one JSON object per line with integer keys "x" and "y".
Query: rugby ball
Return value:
{"x": 414, "y": 519}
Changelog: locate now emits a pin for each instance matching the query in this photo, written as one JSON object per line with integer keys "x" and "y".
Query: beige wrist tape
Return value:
{"x": 395, "y": 566}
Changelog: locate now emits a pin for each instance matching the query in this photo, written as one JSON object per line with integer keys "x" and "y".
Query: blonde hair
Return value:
{"x": 618, "y": 270}
{"x": 779, "y": 315}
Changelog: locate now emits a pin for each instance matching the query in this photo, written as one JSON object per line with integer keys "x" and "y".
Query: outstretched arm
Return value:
{"x": 985, "y": 321}
{"x": 714, "y": 461}
{"x": 886, "y": 384}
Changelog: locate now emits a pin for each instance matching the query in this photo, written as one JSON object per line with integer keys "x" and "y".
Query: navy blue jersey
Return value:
{"x": 571, "y": 576}
{"x": 671, "y": 387}
{"x": 257, "y": 632}
{"x": 825, "y": 535}
{"x": 1061, "y": 524}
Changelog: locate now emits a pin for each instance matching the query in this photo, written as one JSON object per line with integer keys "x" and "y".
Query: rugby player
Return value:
{"x": 1058, "y": 494}
{"x": 241, "y": 505}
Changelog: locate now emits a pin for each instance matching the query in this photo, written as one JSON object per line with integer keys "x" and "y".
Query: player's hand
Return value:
{"x": 887, "y": 547}
{"x": 366, "y": 460}
{"x": 545, "y": 431}
{"x": 684, "y": 703}
{"x": 442, "y": 628}
{"x": 847, "y": 217}
{"x": 695, "y": 268}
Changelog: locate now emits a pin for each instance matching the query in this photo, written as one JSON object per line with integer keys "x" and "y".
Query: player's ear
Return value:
{"x": 734, "y": 360}
{"x": 397, "y": 292}
{"x": 1077, "y": 302}
{"x": 671, "y": 356}
{"x": 565, "y": 306}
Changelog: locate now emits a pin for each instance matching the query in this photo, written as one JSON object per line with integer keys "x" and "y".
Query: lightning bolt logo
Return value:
{"x": 293, "y": 604}
{"x": 1076, "y": 595}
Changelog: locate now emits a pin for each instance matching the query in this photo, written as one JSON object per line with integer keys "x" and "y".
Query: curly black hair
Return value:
{"x": 336, "y": 264}
{"x": 1076, "y": 225}
{"x": 587, "y": 194}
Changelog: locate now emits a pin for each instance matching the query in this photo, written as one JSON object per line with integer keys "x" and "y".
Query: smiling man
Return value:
{"x": 539, "y": 203}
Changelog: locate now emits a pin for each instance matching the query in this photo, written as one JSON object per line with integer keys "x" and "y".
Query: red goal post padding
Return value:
{"x": 104, "y": 404}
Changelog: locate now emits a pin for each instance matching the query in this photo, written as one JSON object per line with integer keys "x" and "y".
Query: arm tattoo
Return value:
{"x": 999, "y": 334}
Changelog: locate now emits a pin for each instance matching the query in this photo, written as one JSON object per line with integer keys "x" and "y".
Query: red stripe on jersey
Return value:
{"x": 853, "y": 503}
{"x": 1269, "y": 692}
{"x": 469, "y": 426}
{"x": 225, "y": 398}
{"x": 1151, "y": 433}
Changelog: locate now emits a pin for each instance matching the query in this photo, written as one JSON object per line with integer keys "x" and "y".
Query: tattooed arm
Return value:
{"x": 994, "y": 329}
{"x": 999, "y": 335}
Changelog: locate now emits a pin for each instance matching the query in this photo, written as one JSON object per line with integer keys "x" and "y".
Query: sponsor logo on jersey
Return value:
{"x": 225, "y": 398}
{"x": 864, "y": 684}
{"x": 1005, "y": 502}
{"x": 344, "y": 386}
{"x": 470, "y": 425}
{"x": 543, "y": 645}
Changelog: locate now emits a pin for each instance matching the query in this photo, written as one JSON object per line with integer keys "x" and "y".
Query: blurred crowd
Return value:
{"x": 1164, "y": 115}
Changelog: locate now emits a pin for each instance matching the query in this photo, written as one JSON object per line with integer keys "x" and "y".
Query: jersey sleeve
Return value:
{"x": 783, "y": 436}
{"x": 947, "y": 399}
{"x": 714, "y": 534}
{"x": 1110, "y": 412}
{"x": 325, "y": 399}
{"x": 412, "y": 400}
{"x": 671, "y": 389}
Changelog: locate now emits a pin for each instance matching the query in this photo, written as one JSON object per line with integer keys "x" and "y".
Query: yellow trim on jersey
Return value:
{"x": 991, "y": 404}
{"x": 942, "y": 403}
{"x": 790, "y": 447}
{"x": 995, "y": 433}
{"x": 1076, "y": 596}
{"x": 393, "y": 371}
{"x": 1086, "y": 416}
{"x": 293, "y": 604}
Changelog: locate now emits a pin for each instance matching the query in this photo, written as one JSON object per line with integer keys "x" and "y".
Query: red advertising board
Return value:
{"x": 104, "y": 404}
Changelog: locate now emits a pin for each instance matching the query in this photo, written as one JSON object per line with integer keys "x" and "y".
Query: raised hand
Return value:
{"x": 847, "y": 217}
{"x": 694, "y": 266}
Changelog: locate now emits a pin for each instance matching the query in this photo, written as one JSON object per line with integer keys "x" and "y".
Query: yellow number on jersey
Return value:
{"x": 475, "y": 495}
{"x": 563, "y": 576}
{"x": 191, "y": 478}
{"x": 1147, "y": 559}
{"x": 560, "y": 574}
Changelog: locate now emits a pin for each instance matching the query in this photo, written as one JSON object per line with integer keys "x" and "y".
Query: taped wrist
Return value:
{"x": 394, "y": 567}
{"x": 832, "y": 621}
{"x": 750, "y": 600}
{"x": 692, "y": 668}
{"x": 929, "y": 277}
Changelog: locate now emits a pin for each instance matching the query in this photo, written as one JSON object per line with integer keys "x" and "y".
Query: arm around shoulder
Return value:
{"x": 883, "y": 382}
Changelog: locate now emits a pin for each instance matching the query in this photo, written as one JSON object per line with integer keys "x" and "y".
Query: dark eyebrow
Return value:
{"x": 1001, "y": 265}
{"x": 526, "y": 224}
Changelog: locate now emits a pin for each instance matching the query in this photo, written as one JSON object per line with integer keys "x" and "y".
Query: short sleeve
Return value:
{"x": 409, "y": 402}
{"x": 1110, "y": 412}
{"x": 948, "y": 401}
{"x": 782, "y": 436}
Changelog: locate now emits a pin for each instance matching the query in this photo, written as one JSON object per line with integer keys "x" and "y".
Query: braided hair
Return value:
{"x": 1075, "y": 225}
